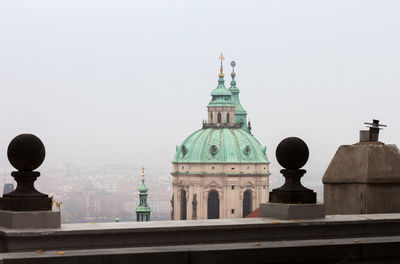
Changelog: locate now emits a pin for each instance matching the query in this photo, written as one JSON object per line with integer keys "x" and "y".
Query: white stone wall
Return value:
{"x": 221, "y": 168}
{"x": 214, "y": 110}
{"x": 192, "y": 179}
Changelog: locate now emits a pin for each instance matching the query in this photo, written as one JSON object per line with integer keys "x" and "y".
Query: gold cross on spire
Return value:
{"x": 221, "y": 57}
{"x": 143, "y": 173}
{"x": 221, "y": 70}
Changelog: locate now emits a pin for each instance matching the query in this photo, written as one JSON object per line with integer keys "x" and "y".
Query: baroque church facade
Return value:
{"x": 220, "y": 170}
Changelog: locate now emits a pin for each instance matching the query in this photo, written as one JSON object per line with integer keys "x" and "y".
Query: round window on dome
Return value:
{"x": 247, "y": 150}
{"x": 184, "y": 150}
{"x": 213, "y": 150}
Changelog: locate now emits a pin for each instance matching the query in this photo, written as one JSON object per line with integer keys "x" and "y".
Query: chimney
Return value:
{"x": 371, "y": 135}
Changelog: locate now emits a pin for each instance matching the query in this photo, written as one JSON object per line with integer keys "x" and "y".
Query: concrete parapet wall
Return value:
{"x": 30, "y": 219}
{"x": 362, "y": 198}
{"x": 345, "y": 250}
{"x": 134, "y": 234}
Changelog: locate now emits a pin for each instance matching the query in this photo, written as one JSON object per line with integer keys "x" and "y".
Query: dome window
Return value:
{"x": 184, "y": 150}
{"x": 247, "y": 150}
{"x": 213, "y": 150}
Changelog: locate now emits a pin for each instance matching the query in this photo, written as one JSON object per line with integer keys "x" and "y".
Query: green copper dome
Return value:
{"x": 223, "y": 145}
{"x": 143, "y": 188}
{"x": 221, "y": 90}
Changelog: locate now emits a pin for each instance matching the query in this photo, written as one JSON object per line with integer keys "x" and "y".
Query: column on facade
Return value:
{"x": 223, "y": 113}
{"x": 177, "y": 203}
{"x": 221, "y": 203}
{"x": 225, "y": 201}
{"x": 242, "y": 190}
{"x": 189, "y": 199}
{"x": 204, "y": 207}
{"x": 254, "y": 200}
{"x": 257, "y": 195}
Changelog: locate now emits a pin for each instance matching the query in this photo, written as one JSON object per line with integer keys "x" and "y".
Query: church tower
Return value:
{"x": 143, "y": 210}
{"x": 240, "y": 113}
{"x": 220, "y": 170}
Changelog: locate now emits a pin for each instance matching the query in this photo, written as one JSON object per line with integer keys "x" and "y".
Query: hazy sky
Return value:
{"x": 105, "y": 82}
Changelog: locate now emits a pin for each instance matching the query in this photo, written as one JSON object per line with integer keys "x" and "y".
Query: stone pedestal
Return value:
{"x": 26, "y": 207}
{"x": 292, "y": 211}
{"x": 363, "y": 178}
{"x": 292, "y": 192}
{"x": 30, "y": 219}
{"x": 25, "y": 197}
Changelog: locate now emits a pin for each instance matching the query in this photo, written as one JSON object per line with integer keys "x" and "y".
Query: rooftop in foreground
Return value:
{"x": 180, "y": 241}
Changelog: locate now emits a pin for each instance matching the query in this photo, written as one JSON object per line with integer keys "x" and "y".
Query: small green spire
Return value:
{"x": 221, "y": 70}
{"x": 221, "y": 96}
{"x": 240, "y": 113}
{"x": 143, "y": 210}
{"x": 233, "y": 75}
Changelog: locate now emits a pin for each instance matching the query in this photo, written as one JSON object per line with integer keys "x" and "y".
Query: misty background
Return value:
{"x": 123, "y": 82}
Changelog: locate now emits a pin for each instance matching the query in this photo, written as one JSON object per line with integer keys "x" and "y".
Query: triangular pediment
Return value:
{"x": 249, "y": 184}
{"x": 183, "y": 183}
{"x": 213, "y": 184}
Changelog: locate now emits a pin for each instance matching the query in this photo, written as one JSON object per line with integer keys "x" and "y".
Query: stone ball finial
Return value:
{"x": 292, "y": 153}
{"x": 26, "y": 152}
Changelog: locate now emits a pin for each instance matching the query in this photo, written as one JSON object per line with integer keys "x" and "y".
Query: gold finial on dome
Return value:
{"x": 143, "y": 173}
{"x": 221, "y": 70}
{"x": 221, "y": 57}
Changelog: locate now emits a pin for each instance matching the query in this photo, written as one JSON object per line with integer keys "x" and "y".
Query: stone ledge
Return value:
{"x": 300, "y": 251}
{"x": 161, "y": 233}
{"x": 29, "y": 219}
{"x": 292, "y": 211}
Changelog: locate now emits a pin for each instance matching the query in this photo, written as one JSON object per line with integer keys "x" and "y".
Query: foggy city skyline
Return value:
{"x": 121, "y": 82}
{"x": 132, "y": 138}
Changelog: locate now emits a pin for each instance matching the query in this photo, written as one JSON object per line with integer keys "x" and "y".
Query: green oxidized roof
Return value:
{"x": 221, "y": 89}
{"x": 143, "y": 207}
{"x": 143, "y": 188}
{"x": 221, "y": 96}
{"x": 223, "y": 145}
{"x": 235, "y": 96}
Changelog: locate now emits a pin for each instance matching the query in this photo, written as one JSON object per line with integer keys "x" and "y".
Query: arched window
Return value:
{"x": 227, "y": 118}
{"x": 183, "y": 205}
{"x": 246, "y": 203}
{"x": 213, "y": 205}
{"x": 219, "y": 118}
{"x": 211, "y": 117}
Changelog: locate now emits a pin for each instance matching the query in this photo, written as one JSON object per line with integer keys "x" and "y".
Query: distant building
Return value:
{"x": 221, "y": 170}
{"x": 143, "y": 210}
{"x": 8, "y": 187}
